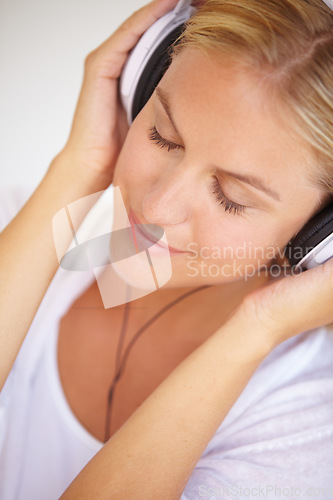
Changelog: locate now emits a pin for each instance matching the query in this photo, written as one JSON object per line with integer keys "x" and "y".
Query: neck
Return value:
{"x": 201, "y": 302}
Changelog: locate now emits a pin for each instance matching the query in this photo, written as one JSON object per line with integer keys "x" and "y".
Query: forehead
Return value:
{"x": 208, "y": 85}
{"x": 223, "y": 111}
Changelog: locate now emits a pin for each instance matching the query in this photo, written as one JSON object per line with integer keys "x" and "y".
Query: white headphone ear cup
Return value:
{"x": 152, "y": 46}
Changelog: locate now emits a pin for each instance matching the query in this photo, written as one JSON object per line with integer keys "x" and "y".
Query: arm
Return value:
{"x": 28, "y": 259}
{"x": 156, "y": 450}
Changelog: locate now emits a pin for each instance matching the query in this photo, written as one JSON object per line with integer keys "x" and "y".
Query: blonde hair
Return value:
{"x": 290, "y": 44}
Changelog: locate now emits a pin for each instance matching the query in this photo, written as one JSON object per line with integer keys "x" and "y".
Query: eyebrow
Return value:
{"x": 253, "y": 181}
{"x": 248, "y": 179}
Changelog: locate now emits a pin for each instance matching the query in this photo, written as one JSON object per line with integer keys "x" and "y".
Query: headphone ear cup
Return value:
{"x": 155, "y": 67}
{"x": 312, "y": 234}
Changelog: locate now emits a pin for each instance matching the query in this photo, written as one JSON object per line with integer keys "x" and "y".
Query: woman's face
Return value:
{"x": 213, "y": 160}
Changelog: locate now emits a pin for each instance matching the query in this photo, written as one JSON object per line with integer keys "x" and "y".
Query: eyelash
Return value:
{"x": 155, "y": 137}
{"x": 228, "y": 205}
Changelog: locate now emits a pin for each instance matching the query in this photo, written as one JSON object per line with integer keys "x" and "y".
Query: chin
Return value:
{"x": 137, "y": 272}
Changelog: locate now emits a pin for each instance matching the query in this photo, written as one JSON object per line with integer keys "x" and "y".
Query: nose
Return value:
{"x": 169, "y": 199}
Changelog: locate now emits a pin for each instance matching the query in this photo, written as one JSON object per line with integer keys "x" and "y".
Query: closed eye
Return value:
{"x": 155, "y": 137}
{"x": 228, "y": 205}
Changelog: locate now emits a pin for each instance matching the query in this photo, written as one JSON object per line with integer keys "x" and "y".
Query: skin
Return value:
{"x": 234, "y": 126}
{"x": 267, "y": 316}
{"x": 170, "y": 191}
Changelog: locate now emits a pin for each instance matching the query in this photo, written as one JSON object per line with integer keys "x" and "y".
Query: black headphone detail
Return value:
{"x": 313, "y": 244}
{"x": 154, "y": 69}
{"x": 150, "y": 58}
{"x": 147, "y": 63}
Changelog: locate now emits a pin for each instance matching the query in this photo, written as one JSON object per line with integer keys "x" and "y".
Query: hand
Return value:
{"x": 99, "y": 125}
{"x": 290, "y": 305}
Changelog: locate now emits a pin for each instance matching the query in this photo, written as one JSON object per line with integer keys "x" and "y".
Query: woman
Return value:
{"x": 229, "y": 392}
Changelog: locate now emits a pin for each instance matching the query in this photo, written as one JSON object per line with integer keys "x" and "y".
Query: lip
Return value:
{"x": 150, "y": 237}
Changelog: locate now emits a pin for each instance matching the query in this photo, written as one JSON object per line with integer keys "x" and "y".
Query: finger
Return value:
{"x": 111, "y": 55}
{"x": 103, "y": 66}
{"x": 315, "y": 294}
{"x": 293, "y": 304}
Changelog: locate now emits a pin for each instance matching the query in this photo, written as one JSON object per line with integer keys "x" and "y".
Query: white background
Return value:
{"x": 43, "y": 45}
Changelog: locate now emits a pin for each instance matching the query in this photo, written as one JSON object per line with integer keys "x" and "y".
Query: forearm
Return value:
{"x": 155, "y": 451}
{"x": 28, "y": 259}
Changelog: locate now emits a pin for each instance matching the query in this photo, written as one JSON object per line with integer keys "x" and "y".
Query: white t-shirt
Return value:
{"x": 276, "y": 441}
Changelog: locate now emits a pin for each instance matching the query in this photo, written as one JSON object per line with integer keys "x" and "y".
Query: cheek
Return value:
{"x": 137, "y": 165}
{"x": 253, "y": 240}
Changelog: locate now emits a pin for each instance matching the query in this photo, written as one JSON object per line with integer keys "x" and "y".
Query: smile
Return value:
{"x": 147, "y": 239}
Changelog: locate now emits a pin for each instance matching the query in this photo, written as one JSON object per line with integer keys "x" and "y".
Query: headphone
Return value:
{"x": 145, "y": 66}
{"x": 150, "y": 58}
